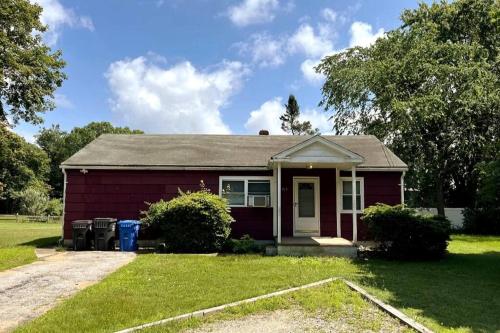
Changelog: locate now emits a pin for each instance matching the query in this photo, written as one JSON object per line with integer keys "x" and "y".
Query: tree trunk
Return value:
{"x": 440, "y": 197}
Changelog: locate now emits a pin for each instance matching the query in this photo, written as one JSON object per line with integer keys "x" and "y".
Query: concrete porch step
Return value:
{"x": 314, "y": 246}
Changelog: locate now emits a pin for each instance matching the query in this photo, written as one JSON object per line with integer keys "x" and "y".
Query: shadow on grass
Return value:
{"x": 43, "y": 242}
{"x": 459, "y": 291}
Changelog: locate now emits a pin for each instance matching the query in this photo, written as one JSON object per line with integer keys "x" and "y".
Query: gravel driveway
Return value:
{"x": 28, "y": 291}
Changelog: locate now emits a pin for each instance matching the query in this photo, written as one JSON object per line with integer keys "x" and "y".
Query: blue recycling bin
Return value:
{"x": 129, "y": 233}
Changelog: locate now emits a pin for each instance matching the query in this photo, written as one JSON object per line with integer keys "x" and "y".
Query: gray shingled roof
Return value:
{"x": 183, "y": 150}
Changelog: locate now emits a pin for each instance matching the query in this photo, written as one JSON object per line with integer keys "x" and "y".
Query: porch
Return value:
{"x": 317, "y": 246}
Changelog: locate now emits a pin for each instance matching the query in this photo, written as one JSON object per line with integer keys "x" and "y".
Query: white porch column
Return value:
{"x": 338, "y": 197}
{"x": 279, "y": 202}
{"x": 354, "y": 211}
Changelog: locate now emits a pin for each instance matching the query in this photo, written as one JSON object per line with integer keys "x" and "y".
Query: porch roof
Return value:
{"x": 218, "y": 151}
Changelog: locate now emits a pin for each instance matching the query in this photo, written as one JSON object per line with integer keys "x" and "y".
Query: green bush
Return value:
{"x": 197, "y": 222}
{"x": 33, "y": 200}
{"x": 404, "y": 234}
{"x": 245, "y": 244}
{"x": 484, "y": 216}
{"x": 54, "y": 207}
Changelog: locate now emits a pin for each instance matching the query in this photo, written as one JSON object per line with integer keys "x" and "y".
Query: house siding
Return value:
{"x": 327, "y": 187}
{"x": 123, "y": 194}
{"x": 379, "y": 187}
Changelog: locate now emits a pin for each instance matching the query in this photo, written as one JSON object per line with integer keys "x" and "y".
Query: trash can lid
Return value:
{"x": 82, "y": 222}
{"x": 129, "y": 222}
{"x": 105, "y": 219}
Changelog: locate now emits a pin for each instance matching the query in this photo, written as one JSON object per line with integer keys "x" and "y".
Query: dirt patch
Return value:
{"x": 28, "y": 291}
{"x": 298, "y": 320}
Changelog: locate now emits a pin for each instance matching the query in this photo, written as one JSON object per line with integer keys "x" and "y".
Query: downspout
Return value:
{"x": 64, "y": 206}
{"x": 403, "y": 188}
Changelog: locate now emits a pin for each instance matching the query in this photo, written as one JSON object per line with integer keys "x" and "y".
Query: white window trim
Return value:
{"x": 361, "y": 192}
{"x": 245, "y": 179}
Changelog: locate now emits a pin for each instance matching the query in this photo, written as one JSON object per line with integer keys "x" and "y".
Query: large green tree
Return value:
{"x": 22, "y": 165}
{"x": 290, "y": 122}
{"x": 431, "y": 90}
{"x": 60, "y": 145}
{"x": 29, "y": 71}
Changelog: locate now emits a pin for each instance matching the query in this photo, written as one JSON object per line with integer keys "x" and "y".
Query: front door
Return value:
{"x": 306, "y": 206}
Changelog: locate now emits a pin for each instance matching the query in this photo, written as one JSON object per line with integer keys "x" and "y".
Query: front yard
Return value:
{"x": 459, "y": 293}
{"x": 19, "y": 240}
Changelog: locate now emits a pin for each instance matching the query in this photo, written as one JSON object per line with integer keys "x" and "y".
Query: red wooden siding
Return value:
{"x": 380, "y": 187}
{"x": 122, "y": 194}
{"x": 328, "y": 215}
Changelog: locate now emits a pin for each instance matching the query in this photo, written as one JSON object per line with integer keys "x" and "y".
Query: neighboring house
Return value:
{"x": 115, "y": 175}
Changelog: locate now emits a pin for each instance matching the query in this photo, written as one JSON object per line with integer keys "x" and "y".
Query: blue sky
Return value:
{"x": 201, "y": 66}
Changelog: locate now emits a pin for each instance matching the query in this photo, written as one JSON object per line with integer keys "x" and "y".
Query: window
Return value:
{"x": 246, "y": 191}
{"x": 234, "y": 192}
{"x": 347, "y": 194}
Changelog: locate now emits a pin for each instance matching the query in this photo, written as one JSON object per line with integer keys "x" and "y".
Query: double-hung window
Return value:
{"x": 346, "y": 194}
{"x": 246, "y": 191}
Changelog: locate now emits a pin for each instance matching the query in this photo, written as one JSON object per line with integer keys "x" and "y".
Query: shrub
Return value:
{"x": 403, "y": 234}
{"x": 54, "y": 207}
{"x": 33, "y": 200}
{"x": 484, "y": 216}
{"x": 197, "y": 222}
{"x": 245, "y": 244}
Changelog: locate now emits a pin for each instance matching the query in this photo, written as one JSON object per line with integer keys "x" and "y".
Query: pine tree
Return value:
{"x": 290, "y": 120}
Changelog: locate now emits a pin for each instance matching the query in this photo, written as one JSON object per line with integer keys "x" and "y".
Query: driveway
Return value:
{"x": 27, "y": 292}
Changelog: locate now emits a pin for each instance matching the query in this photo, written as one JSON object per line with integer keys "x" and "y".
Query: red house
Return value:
{"x": 279, "y": 187}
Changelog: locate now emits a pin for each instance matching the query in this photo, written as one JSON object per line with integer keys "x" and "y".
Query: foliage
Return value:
{"x": 405, "y": 235}
{"x": 33, "y": 200}
{"x": 484, "y": 216}
{"x": 21, "y": 164}
{"x": 197, "y": 222}
{"x": 245, "y": 244}
{"x": 290, "y": 120}
{"x": 431, "y": 90}
{"x": 29, "y": 71}
{"x": 60, "y": 145}
{"x": 54, "y": 207}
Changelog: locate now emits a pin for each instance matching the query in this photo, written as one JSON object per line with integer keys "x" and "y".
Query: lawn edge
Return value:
{"x": 386, "y": 308}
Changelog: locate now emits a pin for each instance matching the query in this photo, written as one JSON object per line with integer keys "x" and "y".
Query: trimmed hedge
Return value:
{"x": 404, "y": 234}
{"x": 197, "y": 222}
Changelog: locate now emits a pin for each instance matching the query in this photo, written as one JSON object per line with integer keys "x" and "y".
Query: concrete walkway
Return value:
{"x": 27, "y": 292}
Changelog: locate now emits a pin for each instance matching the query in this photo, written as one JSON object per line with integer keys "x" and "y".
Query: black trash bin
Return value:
{"x": 104, "y": 231}
{"x": 82, "y": 235}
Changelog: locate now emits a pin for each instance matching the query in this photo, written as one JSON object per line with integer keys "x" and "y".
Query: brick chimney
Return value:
{"x": 263, "y": 132}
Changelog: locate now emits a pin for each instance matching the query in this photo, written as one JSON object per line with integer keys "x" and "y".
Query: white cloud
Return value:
{"x": 264, "y": 50}
{"x": 329, "y": 14}
{"x": 63, "y": 102}
{"x": 267, "y": 116}
{"x": 362, "y": 34}
{"x": 178, "y": 99}
{"x": 253, "y": 12}
{"x": 309, "y": 73}
{"x": 306, "y": 41}
{"x": 56, "y": 16}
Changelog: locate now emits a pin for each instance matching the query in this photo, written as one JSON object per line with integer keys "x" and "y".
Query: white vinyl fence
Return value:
{"x": 455, "y": 215}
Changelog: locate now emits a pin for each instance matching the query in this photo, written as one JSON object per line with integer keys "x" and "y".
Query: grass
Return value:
{"x": 19, "y": 240}
{"x": 460, "y": 293}
{"x": 333, "y": 302}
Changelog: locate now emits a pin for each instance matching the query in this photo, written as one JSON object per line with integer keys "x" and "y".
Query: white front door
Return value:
{"x": 306, "y": 206}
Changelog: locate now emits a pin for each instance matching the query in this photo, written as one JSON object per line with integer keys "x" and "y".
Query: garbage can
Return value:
{"x": 129, "y": 233}
{"x": 82, "y": 235}
{"x": 104, "y": 233}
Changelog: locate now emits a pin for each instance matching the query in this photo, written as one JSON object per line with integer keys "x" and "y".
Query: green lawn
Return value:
{"x": 19, "y": 240}
{"x": 458, "y": 293}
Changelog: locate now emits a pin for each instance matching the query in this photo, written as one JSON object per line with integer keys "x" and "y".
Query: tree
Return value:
{"x": 21, "y": 165}
{"x": 430, "y": 89}
{"x": 60, "y": 145}
{"x": 29, "y": 71}
{"x": 290, "y": 120}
